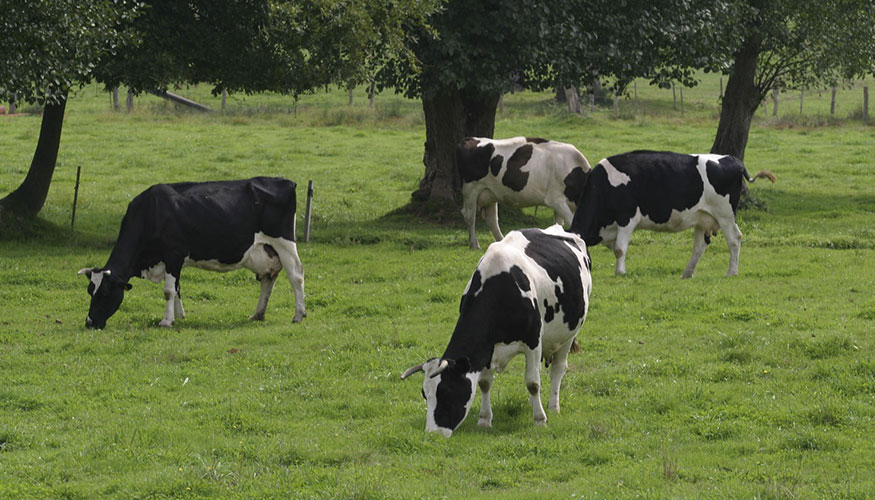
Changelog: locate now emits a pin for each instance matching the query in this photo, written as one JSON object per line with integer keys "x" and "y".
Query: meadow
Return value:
{"x": 756, "y": 386}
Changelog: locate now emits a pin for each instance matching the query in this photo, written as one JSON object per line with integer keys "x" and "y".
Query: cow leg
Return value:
{"x": 469, "y": 212}
{"x": 485, "y": 384}
{"x": 733, "y": 239}
{"x": 267, "y": 283}
{"x": 171, "y": 295}
{"x": 557, "y": 371}
{"x": 288, "y": 255}
{"x": 562, "y": 212}
{"x": 621, "y": 245}
{"x": 699, "y": 246}
{"x": 533, "y": 384}
{"x": 490, "y": 215}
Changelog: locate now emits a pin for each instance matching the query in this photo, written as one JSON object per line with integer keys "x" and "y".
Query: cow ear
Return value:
{"x": 463, "y": 365}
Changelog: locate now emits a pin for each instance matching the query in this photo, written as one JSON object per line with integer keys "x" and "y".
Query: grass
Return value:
{"x": 756, "y": 386}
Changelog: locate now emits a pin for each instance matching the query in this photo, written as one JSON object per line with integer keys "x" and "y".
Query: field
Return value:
{"x": 757, "y": 386}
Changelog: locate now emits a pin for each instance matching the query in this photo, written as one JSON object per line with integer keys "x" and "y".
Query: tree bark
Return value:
{"x": 29, "y": 198}
{"x": 449, "y": 117}
{"x": 740, "y": 102}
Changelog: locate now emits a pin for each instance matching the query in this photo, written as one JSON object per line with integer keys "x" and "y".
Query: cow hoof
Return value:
{"x": 541, "y": 422}
{"x": 165, "y": 324}
{"x": 257, "y": 317}
{"x": 686, "y": 276}
{"x": 485, "y": 422}
{"x": 299, "y": 317}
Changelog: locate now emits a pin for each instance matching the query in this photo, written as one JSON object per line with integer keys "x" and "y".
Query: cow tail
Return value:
{"x": 762, "y": 174}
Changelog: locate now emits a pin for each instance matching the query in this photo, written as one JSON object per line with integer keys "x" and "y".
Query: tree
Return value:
{"x": 789, "y": 43}
{"x": 481, "y": 48}
{"x": 290, "y": 47}
{"x": 49, "y": 47}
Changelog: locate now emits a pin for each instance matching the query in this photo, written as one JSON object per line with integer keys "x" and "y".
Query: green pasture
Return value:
{"x": 757, "y": 386}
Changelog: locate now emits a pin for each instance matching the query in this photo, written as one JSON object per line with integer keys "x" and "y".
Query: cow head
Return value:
{"x": 448, "y": 390}
{"x": 107, "y": 292}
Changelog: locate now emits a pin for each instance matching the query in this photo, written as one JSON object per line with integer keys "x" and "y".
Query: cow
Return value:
{"x": 520, "y": 172}
{"x": 219, "y": 226}
{"x": 528, "y": 295}
{"x": 663, "y": 191}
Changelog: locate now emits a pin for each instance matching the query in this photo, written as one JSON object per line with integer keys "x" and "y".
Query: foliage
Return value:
{"x": 755, "y": 386}
{"x": 258, "y": 45}
{"x": 50, "y": 46}
{"x": 804, "y": 44}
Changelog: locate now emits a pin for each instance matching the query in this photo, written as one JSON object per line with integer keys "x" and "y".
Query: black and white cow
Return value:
{"x": 520, "y": 172}
{"x": 220, "y": 226}
{"x": 529, "y": 294}
{"x": 663, "y": 191}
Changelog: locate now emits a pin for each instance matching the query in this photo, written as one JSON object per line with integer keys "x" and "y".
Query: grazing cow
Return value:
{"x": 220, "y": 226}
{"x": 529, "y": 295}
{"x": 663, "y": 191}
{"x": 520, "y": 172}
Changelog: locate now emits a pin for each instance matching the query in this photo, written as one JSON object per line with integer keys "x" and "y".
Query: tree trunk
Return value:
{"x": 450, "y": 117}
{"x": 29, "y": 198}
{"x": 740, "y": 103}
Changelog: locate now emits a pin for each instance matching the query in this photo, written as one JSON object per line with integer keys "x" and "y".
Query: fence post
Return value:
{"x": 129, "y": 102}
{"x": 682, "y": 101}
{"x": 309, "y": 211}
{"x": 635, "y": 86}
{"x": 674, "y": 95}
{"x": 801, "y": 99}
{"x": 224, "y": 98}
{"x": 832, "y": 103}
{"x": 865, "y": 104}
{"x": 616, "y": 102}
{"x": 372, "y": 90}
{"x": 75, "y": 196}
{"x": 115, "y": 98}
{"x": 775, "y": 101}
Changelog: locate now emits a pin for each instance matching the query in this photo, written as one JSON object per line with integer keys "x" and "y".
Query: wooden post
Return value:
{"x": 635, "y": 88}
{"x": 832, "y": 103}
{"x": 682, "y": 101}
{"x": 129, "y": 102}
{"x": 115, "y": 98}
{"x": 865, "y": 104}
{"x": 75, "y": 196}
{"x": 309, "y": 212}
{"x": 801, "y": 99}
{"x": 616, "y": 103}
{"x": 674, "y": 95}
{"x": 775, "y": 101}
{"x": 224, "y": 98}
{"x": 372, "y": 90}
{"x": 13, "y": 107}
{"x": 351, "y": 94}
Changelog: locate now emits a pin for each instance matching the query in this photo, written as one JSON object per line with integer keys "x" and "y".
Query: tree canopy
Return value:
{"x": 49, "y": 46}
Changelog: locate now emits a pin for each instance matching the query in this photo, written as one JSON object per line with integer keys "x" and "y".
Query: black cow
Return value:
{"x": 663, "y": 191}
{"x": 520, "y": 172}
{"x": 529, "y": 294}
{"x": 220, "y": 226}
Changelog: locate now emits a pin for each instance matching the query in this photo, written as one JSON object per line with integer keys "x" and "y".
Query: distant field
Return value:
{"x": 758, "y": 386}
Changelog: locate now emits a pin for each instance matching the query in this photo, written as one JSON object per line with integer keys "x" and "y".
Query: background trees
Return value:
{"x": 788, "y": 43}
{"x": 289, "y": 47}
{"x": 49, "y": 47}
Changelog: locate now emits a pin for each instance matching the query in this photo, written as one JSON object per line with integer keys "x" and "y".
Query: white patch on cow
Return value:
{"x": 155, "y": 273}
{"x": 615, "y": 177}
{"x": 97, "y": 279}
